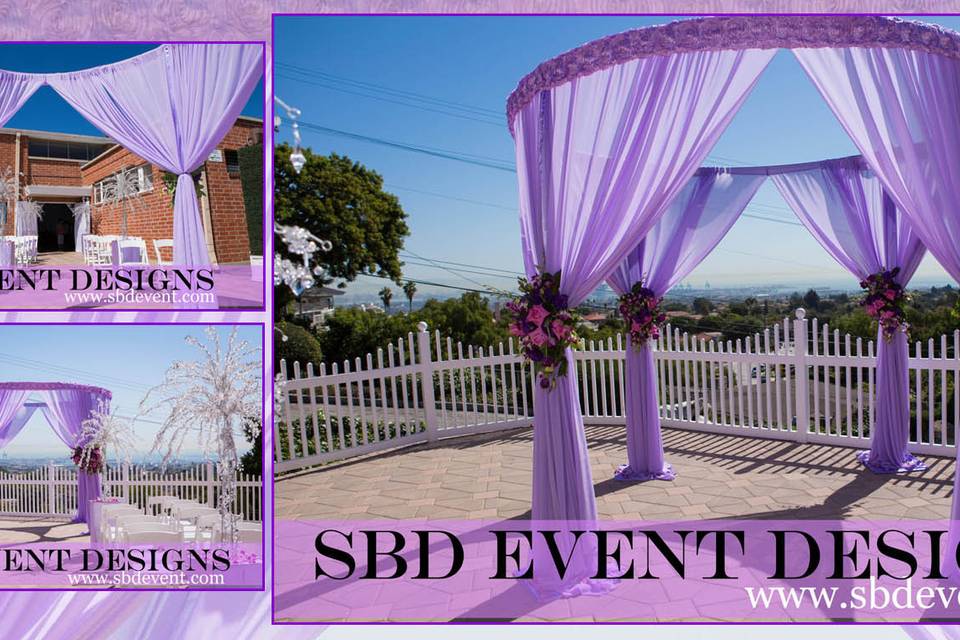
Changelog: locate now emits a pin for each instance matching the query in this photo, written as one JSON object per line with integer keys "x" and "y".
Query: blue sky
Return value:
{"x": 45, "y": 110}
{"x": 477, "y": 61}
{"x": 127, "y": 359}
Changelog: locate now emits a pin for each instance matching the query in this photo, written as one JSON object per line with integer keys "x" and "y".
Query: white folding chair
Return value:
{"x": 108, "y": 517}
{"x": 156, "y": 504}
{"x": 158, "y": 246}
{"x": 126, "y": 519}
{"x": 132, "y": 244}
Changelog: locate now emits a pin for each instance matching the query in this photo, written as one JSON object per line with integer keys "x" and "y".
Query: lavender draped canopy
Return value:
{"x": 171, "y": 106}
{"x": 844, "y": 206}
{"x": 599, "y": 159}
{"x": 607, "y": 132}
{"x": 65, "y": 407}
{"x": 694, "y": 224}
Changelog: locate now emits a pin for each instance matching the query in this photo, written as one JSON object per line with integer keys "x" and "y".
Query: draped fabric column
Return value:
{"x": 902, "y": 109}
{"x": 694, "y": 224}
{"x": 65, "y": 410}
{"x": 599, "y": 159}
{"x": 171, "y": 106}
{"x": 81, "y": 224}
{"x": 844, "y": 206}
{"x": 27, "y": 215}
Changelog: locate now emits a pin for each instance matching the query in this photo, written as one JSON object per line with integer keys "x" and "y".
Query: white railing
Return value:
{"x": 52, "y": 490}
{"x": 745, "y": 387}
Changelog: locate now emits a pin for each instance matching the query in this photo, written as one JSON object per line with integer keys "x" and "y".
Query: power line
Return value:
{"x": 446, "y": 154}
{"x": 494, "y": 123}
{"x": 390, "y": 90}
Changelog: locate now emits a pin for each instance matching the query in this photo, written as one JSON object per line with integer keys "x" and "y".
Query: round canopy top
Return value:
{"x": 731, "y": 33}
{"x": 55, "y": 386}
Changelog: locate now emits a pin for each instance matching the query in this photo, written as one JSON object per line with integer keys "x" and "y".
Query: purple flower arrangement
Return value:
{"x": 885, "y": 302}
{"x": 640, "y": 309}
{"x": 92, "y": 464}
{"x": 545, "y": 326}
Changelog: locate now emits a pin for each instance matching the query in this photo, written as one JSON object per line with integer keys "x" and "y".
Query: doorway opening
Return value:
{"x": 55, "y": 228}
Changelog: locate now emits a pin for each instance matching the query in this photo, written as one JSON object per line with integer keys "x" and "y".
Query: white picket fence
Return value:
{"x": 52, "y": 490}
{"x": 745, "y": 387}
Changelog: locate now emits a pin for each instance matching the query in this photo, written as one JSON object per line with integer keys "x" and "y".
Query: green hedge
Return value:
{"x": 251, "y": 178}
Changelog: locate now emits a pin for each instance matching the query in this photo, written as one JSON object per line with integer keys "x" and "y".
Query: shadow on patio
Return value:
{"x": 23, "y": 529}
{"x": 719, "y": 476}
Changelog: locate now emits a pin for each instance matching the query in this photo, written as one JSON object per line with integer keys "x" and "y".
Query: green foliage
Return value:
{"x": 170, "y": 184}
{"x": 251, "y": 462}
{"x": 703, "y": 306}
{"x": 811, "y": 300}
{"x": 410, "y": 290}
{"x": 386, "y": 295}
{"x": 251, "y": 181}
{"x": 467, "y": 319}
{"x": 344, "y": 202}
{"x": 300, "y": 346}
{"x": 350, "y": 332}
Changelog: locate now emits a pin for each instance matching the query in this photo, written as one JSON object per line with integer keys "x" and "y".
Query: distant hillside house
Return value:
{"x": 59, "y": 169}
{"x": 317, "y": 302}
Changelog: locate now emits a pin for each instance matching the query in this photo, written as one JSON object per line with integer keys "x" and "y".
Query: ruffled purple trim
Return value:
{"x": 626, "y": 474}
{"x": 728, "y": 33}
{"x": 909, "y": 463}
{"x": 55, "y": 386}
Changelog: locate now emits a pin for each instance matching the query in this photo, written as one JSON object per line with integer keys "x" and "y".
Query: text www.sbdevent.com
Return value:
{"x": 861, "y": 597}
{"x": 146, "y": 579}
{"x": 139, "y": 297}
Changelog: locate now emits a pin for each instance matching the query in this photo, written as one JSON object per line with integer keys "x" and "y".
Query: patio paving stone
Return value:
{"x": 719, "y": 476}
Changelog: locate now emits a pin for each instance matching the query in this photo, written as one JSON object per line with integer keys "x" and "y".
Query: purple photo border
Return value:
{"x": 513, "y": 14}
{"x": 263, "y": 484}
{"x": 266, "y": 137}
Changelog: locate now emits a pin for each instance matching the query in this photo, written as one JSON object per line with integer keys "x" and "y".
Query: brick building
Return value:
{"x": 60, "y": 169}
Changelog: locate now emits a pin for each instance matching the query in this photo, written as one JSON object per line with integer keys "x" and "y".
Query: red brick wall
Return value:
{"x": 153, "y": 218}
{"x": 225, "y": 195}
{"x": 47, "y": 171}
{"x": 8, "y": 154}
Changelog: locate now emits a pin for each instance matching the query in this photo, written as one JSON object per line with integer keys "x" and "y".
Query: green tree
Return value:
{"x": 410, "y": 290}
{"x": 251, "y": 462}
{"x": 811, "y": 300}
{"x": 702, "y": 306}
{"x": 467, "y": 319}
{"x": 342, "y": 201}
{"x": 351, "y": 332}
{"x": 386, "y": 295}
{"x": 293, "y": 343}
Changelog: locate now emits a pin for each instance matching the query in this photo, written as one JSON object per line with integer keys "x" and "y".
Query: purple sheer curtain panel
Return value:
{"x": 599, "y": 160}
{"x": 11, "y": 403}
{"x": 693, "y": 225}
{"x": 844, "y": 206}
{"x": 15, "y": 89}
{"x": 902, "y": 110}
{"x": 171, "y": 106}
{"x": 65, "y": 410}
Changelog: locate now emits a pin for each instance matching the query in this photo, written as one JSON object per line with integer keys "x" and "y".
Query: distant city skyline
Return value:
{"x": 420, "y": 101}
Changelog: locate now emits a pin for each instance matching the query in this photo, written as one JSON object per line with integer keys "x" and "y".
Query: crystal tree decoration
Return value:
{"x": 123, "y": 189}
{"x": 103, "y": 431}
{"x": 208, "y": 399}
{"x": 299, "y": 241}
{"x": 297, "y": 159}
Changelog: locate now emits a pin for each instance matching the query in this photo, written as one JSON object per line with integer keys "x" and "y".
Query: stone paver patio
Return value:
{"x": 24, "y": 529}
{"x": 719, "y": 476}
